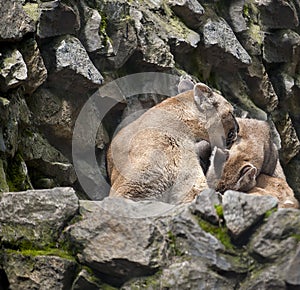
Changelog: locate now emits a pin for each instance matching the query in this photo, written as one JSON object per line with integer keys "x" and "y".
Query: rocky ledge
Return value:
{"x": 52, "y": 240}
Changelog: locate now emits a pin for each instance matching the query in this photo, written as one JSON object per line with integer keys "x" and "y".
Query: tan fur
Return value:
{"x": 252, "y": 153}
{"x": 155, "y": 156}
{"x": 277, "y": 187}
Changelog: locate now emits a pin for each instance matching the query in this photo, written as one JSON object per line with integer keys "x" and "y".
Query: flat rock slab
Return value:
{"x": 242, "y": 211}
{"x": 36, "y": 216}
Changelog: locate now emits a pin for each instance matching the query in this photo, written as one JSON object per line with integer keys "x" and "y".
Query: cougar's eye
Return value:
{"x": 231, "y": 134}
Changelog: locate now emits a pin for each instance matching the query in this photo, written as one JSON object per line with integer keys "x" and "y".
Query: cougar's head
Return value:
{"x": 222, "y": 126}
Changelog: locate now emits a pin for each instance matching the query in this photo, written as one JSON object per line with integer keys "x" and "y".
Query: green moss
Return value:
{"x": 43, "y": 252}
{"x": 172, "y": 243}
{"x": 220, "y": 232}
{"x": 269, "y": 213}
{"x": 17, "y": 178}
{"x": 32, "y": 10}
{"x": 297, "y": 237}
{"x": 219, "y": 210}
{"x": 3, "y": 183}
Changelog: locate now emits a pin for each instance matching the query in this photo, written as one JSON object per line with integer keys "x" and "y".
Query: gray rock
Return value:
{"x": 18, "y": 114}
{"x": 236, "y": 15}
{"x": 39, "y": 154}
{"x": 90, "y": 36}
{"x": 57, "y": 19}
{"x": 15, "y": 22}
{"x": 2, "y": 142}
{"x": 290, "y": 143}
{"x": 205, "y": 205}
{"x": 242, "y": 211}
{"x": 281, "y": 46}
{"x": 129, "y": 246}
{"x": 278, "y": 14}
{"x": 36, "y": 217}
{"x": 277, "y": 237}
{"x": 3, "y": 182}
{"x": 192, "y": 274}
{"x": 267, "y": 279}
{"x": 219, "y": 39}
{"x": 13, "y": 70}
{"x": 292, "y": 276}
{"x": 190, "y": 11}
{"x": 36, "y": 70}
{"x": 38, "y": 272}
{"x": 86, "y": 281}
{"x": 70, "y": 67}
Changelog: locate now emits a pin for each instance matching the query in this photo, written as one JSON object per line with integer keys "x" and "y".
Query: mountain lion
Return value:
{"x": 154, "y": 157}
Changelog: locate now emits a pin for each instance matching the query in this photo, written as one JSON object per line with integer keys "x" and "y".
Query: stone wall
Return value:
{"x": 54, "y": 56}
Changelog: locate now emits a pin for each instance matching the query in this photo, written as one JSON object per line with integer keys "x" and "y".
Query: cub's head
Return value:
{"x": 221, "y": 125}
{"x": 237, "y": 176}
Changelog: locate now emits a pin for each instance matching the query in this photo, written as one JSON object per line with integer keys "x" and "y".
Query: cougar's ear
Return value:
{"x": 203, "y": 96}
{"x": 185, "y": 84}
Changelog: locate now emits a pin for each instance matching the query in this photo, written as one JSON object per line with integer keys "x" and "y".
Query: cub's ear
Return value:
{"x": 185, "y": 84}
{"x": 203, "y": 96}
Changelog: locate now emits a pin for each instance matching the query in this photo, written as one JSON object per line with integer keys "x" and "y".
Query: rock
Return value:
{"x": 278, "y": 14}
{"x": 281, "y": 46}
{"x": 38, "y": 272}
{"x": 86, "y": 281}
{"x": 15, "y": 21}
{"x": 190, "y": 11}
{"x": 36, "y": 217}
{"x": 13, "y": 70}
{"x": 70, "y": 68}
{"x": 3, "y": 183}
{"x": 267, "y": 279}
{"x": 277, "y": 237}
{"x": 205, "y": 206}
{"x": 36, "y": 70}
{"x": 4, "y": 105}
{"x": 2, "y": 142}
{"x": 139, "y": 247}
{"x": 219, "y": 39}
{"x": 236, "y": 10}
{"x": 242, "y": 211}
{"x": 39, "y": 154}
{"x": 192, "y": 274}
{"x": 289, "y": 140}
{"x": 292, "y": 272}
{"x": 90, "y": 36}
{"x": 118, "y": 37}
{"x": 18, "y": 115}
{"x": 144, "y": 236}
{"x": 262, "y": 91}
{"x": 57, "y": 19}
{"x": 32, "y": 10}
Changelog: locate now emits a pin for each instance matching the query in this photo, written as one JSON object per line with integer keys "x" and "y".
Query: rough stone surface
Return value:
{"x": 205, "y": 205}
{"x": 190, "y": 11}
{"x": 249, "y": 50}
{"x": 57, "y": 19}
{"x": 242, "y": 211}
{"x": 17, "y": 22}
{"x": 278, "y": 236}
{"x": 219, "y": 36}
{"x": 36, "y": 70}
{"x": 70, "y": 67}
{"x": 39, "y": 272}
{"x": 13, "y": 70}
{"x": 36, "y": 217}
